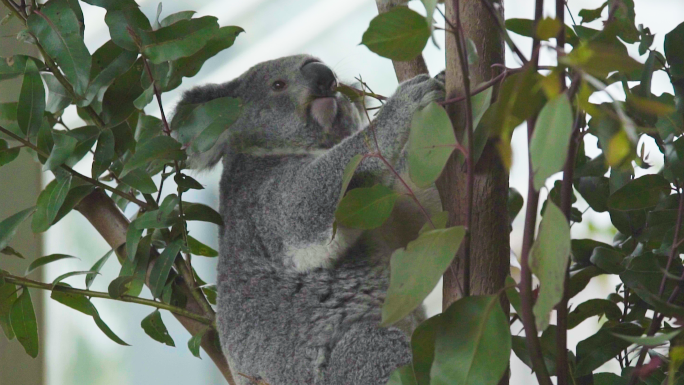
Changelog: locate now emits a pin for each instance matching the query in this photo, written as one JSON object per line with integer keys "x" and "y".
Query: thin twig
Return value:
{"x": 72, "y": 171}
{"x": 97, "y": 294}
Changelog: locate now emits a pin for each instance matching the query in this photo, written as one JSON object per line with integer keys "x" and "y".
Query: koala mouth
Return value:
{"x": 324, "y": 112}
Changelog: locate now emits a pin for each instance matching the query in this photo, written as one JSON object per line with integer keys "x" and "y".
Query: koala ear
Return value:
{"x": 203, "y": 94}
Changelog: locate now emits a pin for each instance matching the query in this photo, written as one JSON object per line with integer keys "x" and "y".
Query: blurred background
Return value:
{"x": 74, "y": 351}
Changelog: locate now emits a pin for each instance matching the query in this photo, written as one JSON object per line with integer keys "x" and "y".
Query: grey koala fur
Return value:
{"x": 294, "y": 307}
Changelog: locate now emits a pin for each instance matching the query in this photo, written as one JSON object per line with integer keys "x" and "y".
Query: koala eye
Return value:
{"x": 278, "y": 85}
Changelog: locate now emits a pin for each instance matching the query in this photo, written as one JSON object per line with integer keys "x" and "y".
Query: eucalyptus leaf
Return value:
{"x": 195, "y": 342}
{"x": 158, "y": 148}
{"x": 42, "y": 261}
{"x": 64, "y": 146}
{"x": 550, "y": 140}
{"x": 9, "y": 226}
{"x": 180, "y": 39}
{"x": 49, "y": 203}
{"x": 162, "y": 267}
{"x": 155, "y": 328}
{"x": 31, "y": 101}
{"x": 366, "y": 208}
{"x": 400, "y": 34}
{"x": 431, "y": 142}
{"x": 473, "y": 343}
{"x": 200, "y": 125}
{"x": 96, "y": 269}
{"x": 416, "y": 270}
{"x": 24, "y": 325}
{"x": 57, "y": 29}
{"x": 549, "y": 259}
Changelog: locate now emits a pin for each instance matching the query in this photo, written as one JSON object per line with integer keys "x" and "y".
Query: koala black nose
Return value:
{"x": 321, "y": 77}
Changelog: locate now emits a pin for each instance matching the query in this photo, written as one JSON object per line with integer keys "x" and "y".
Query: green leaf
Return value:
{"x": 513, "y": 294}
{"x": 45, "y": 260}
{"x": 175, "y": 17}
{"x": 201, "y": 212}
{"x": 548, "y": 28}
{"x": 549, "y": 260}
{"x": 473, "y": 343}
{"x": 58, "y": 30}
{"x": 180, "y": 39}
{"x": 591, "y": 308}
{"x": 7, "y": 155}
{"x": 109, "y": 62}
{"x": 74, "y": 196}
{"x": 64, "y": 147}
{"x": 416, "y": 270}
{"x": 75, "y": 301}
{"x": 112, "y": 5}
{"x": 155, "y": 328}
{"x": 423, "y": 349}
{"x": 400, "y": 34}
{"x": 104, "y": 153}
{"x": 366, "y": 208}
{"x": 141, "y": 181}
{"x": 8, "y": 294}
{"x": 137, "y": 268}
{"x": 10, "y": 251}
{"x": 600, "y": 59}
{"x": 189, "y": 66}
{"x": 650, "y": 340}
{"x": 430, "y": 6}
{"x": 24, "y": 325}
{"x": 200, "y": 125}
{"x": 601, "y": 347}
{"x": 402, "y": 376}
{"x": 674, "y": 41}
{"x": 117, "y": 102}
{"x": 608, "y": 259}
{"x": 8, "y": 227}
{"x": 81, "y": 303}
{"x": 549, "y": 143}
{"x": 640, "y": 193}
{"x": 211, "y": 293}
{"x": 157, "y": 148}
{"x": 119, "y": 286}
{"x": 162, "y": 267}
{"x": 348, "y": 174}
{"x": 64, "y": 276}
{"x": 186, "y": 182}
{"x": 14, "y": 66}
{"x": 515, "y": 204}
{"x": 439, "y": 221}
{"x": 145, "y": 98}
{"x": 31, "y": 101}
{"x": 595, "y": 190}
{"x": 58, "y": 97}
{"x": 49, "y": 202}
{"x": 195, "y": 342}
{"x": 96, "y": 269}
{"x": 589, "y": 15}
{"x": 123, "y": 19}
{"x": 431, "y": 142}
{"x": 199, "y": 248}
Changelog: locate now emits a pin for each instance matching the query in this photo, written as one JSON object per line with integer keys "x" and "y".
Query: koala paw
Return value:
{"x": 421, "y": 90}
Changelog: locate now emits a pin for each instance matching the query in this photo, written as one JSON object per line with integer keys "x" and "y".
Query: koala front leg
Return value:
{"x": 315, "y": 187}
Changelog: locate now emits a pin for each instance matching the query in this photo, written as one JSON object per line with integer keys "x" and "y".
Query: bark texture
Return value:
{"x": 490, "y": 245}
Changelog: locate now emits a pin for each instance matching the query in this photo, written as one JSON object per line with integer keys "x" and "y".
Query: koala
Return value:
{"x": 295, "y": 307}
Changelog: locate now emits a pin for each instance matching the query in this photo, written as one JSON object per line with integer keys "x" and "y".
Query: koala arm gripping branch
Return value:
{"x": 315, "y": 187}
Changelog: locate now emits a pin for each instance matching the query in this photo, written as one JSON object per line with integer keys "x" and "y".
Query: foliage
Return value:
{"x": 471, "y": 341}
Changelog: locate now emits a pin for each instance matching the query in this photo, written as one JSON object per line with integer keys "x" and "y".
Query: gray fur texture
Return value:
{"x": 293, "y": 307}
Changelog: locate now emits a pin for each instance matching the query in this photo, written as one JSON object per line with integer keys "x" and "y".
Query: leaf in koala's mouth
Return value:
{"x": 324, "y": 111}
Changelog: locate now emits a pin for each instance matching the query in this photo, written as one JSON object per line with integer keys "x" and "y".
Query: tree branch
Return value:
{"x": 97, "y": 294}
{"x": 73, "y": 172}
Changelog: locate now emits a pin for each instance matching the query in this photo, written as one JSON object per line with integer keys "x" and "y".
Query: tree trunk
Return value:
{"x": 490, "y": 243}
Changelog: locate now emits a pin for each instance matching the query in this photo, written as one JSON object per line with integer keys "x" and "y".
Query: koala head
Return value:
{"x": 289, "y": 105}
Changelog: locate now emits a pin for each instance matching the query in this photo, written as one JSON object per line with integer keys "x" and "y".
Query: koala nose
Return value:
{"x": 321, "y": 77}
